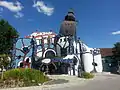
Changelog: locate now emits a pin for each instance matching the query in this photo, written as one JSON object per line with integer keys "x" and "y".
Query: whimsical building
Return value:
{"x": 59, "y": 53}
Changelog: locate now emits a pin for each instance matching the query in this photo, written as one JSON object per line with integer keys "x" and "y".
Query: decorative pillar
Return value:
{"x": 80, "y": 66}
{"x": 33, "y": 52}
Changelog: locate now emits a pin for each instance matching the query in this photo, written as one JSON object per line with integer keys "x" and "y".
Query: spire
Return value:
{"x": 71, "y": 11}
{"x": 70, "y": 16}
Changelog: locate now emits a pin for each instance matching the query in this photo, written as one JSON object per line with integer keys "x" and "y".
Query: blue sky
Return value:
{"x": 99, "y": 20}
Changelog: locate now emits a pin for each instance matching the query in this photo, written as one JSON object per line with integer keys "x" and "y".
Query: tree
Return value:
{"x": 116, "y": 55}
{"x": 116, "y": 51}
{"x": 4, "y": 62}
{"x": 7, "y": 34}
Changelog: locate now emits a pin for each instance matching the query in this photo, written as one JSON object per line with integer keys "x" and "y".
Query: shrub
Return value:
{"x": 4, "y": 60}
{"x": 28, "y": 77}
{"x": 87, "y": 75}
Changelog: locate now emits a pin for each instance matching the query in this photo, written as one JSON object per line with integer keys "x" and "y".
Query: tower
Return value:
{"x": 67, "y": 35}
{"x": 67, "y": 41}
{"x": 68, "y": 26}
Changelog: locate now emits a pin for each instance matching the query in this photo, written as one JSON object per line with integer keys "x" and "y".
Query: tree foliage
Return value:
{"x": 4, "y": 61}
{"x": 116, "y": 51}
{"x": 7, "y": 34}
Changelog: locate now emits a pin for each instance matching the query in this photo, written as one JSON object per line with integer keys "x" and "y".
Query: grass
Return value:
{"x": 87, "y": 75}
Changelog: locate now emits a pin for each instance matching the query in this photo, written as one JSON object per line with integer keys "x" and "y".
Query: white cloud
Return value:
{"x": 13, "y": 7}
{"x": 1, "y": 9}
{"x": 42, "y": 8}
{"x": 19, "y": 15}
{"x": 30, "y": 20}
{"x": 116, "y": 33}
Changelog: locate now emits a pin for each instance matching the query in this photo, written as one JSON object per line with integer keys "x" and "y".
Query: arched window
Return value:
{"x": 21, "y": 64}
{"x": 50, "y": 54}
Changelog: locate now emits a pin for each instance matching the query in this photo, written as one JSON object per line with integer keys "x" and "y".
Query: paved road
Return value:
{"x": 105, "y": 82}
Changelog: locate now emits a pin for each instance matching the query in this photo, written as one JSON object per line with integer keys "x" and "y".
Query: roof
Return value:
{"x": 106, "y": 52}
{"x": 41, "y": 34}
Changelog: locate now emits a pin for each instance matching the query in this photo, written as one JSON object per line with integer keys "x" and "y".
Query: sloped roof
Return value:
{"x": 106, "y": 52}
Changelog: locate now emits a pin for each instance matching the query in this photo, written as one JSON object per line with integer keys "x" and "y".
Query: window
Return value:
{"x": 65, "y": 40}
{"x": 60, "y": 40}
{"x": 27, "y": 60}
{"x": 63, "y": 51}
{"x": 51, "y": 46}
{"x": 50, "y": 54}
{"x": 39, "y": 47}
{"x": 21, "y": 64}
{"x": 25, "y": 49}
{"x": 46, "y": 45}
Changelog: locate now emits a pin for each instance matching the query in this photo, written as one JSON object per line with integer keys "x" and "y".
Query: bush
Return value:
{"x": 87, "y": 75}
{"x": 4, "y": 60}
{"x": 24, "y": 77}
